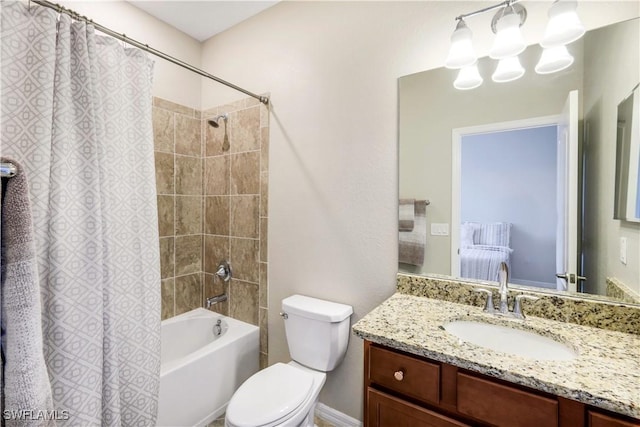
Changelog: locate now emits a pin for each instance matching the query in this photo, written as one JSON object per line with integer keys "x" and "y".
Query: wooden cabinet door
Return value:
{"x": 387, "y": 411}
{"x": 601, "y": 420}
{"x": 504, "y": 406}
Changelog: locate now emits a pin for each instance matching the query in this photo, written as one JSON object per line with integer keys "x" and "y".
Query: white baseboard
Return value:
{"x": 334, "y": 417}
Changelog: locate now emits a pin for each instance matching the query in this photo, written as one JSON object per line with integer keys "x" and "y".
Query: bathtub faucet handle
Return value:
{"x": 224, "y": 271}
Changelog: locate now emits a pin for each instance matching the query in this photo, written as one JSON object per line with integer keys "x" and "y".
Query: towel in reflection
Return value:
{"x": 412, "y": 243}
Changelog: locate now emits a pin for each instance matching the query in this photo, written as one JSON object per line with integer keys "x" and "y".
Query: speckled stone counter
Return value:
{"x": 606, "y": 373}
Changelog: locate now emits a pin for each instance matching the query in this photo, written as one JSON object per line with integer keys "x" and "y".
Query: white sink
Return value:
{"x": 510, "y": 340}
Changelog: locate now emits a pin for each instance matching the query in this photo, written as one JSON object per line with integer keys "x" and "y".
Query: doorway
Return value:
{"x": 512, "y": 173}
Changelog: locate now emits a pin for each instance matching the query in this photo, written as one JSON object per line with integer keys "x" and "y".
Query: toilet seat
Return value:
{"x": 270, "y": 397}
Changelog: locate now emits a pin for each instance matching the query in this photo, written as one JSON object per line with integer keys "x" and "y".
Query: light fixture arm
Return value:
{"x": 504, "y": 4}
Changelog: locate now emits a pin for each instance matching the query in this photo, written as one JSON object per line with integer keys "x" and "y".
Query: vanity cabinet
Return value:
{"x": 401, "y": 390}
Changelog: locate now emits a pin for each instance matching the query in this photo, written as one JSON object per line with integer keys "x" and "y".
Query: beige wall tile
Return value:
{"x": 245, "y": 130}
{"x": 251, "y": 101}
{"x": 264, "y": 285}
{"x": 166, "y": 216}
{"x": 243, "y": 302}
{"x": 216, "y": 220}
{"x": 214, "y": 140}
{"x": 202, "y": 204}
{"x": 188, "y": 175}
{"x": 264, "y": 361}
{"x": 244, "y": 259}
{"x": 173, "y": 107}
{"x": 264, "y": 149}
{"x": 264, "y": 255}
{"x": 216, "y": 250}
{"x": 216, "y": 175}
{"x": 264, "y": 116}
{"x": 264, "y": 330}
{"x": 188, "y": 254}
{"x": 189, "y": 293}
{"x": 264, "y": 194}
{"x": 168, "y": 298}
{"x": 188, "y": 131}
{"x": 244, "y": 215}
{"x": 166, "y": 257}
{"x": 188, "y": 215}
{"x": 163, "y": 129}
{"x": 245, "y": 173}
{"x": 164, "y": 173}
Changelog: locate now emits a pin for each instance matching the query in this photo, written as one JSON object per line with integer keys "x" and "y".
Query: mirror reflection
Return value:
{"x": 523, "y": 172}
{"x": 627, "y": 201}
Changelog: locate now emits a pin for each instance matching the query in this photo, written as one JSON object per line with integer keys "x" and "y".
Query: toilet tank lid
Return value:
{"x": 317, "y": 309}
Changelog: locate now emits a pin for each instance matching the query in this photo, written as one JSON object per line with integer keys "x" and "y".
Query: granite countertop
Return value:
{"x": 606, "y": 373}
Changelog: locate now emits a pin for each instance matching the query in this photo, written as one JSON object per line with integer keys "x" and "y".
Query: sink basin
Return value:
{"x": 510, "y": 340}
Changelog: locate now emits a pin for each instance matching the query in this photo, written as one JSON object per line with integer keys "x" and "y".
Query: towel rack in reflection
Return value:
{"x": 7, "y": 170}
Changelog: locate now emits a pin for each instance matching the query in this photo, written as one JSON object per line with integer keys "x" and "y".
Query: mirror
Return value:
{"x": 627, "y": 197}
{"x": 432, "y": 114}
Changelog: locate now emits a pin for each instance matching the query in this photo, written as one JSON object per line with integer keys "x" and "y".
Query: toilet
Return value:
{"x": 285, "y": 394}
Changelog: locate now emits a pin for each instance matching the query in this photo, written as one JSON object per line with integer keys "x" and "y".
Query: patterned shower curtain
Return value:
{"x": 76, "y": 113}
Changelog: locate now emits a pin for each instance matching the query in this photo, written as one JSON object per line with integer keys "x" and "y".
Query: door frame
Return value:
{"x": 456, "y": 169}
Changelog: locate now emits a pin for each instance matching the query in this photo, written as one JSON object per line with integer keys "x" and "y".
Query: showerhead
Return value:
{"x": 216, "y": 122}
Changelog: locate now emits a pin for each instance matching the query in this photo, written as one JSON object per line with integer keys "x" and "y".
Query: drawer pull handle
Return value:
{"x": 399, "y": 375}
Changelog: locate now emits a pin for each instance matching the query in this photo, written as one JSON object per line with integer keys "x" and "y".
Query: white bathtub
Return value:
{"x": 200, "y": 369}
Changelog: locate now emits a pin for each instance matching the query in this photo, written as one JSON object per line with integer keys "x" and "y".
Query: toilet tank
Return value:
{"x": 317, "y": 331}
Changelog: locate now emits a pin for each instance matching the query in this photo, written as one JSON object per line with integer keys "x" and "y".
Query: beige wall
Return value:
{"x": 612, "y": 70}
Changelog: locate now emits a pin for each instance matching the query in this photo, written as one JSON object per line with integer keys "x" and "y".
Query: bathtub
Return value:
{"x": 203, "y": 362}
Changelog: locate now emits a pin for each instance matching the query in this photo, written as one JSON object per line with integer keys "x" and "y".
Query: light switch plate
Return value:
{"x": 439, "y": 229}
{"x": 623, "y": 250}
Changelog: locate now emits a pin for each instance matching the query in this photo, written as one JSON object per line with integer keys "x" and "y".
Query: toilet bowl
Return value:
{"x": 286, "y": 394}
{"x": 281, "y": 395}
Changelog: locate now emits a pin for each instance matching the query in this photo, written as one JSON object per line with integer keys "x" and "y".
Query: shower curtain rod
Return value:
{"x": 145, "y": 47}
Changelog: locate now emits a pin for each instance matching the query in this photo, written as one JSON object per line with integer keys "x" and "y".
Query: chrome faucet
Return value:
{"x": 215, "y": 300}
{"x": 503, "y": 288}
{"x": 503, "y": 291}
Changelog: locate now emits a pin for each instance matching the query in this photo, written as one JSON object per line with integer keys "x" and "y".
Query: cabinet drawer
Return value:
{"x": 388, "y": 411}
{"x": 405, "y": 374}
{"x": 601, "y": 420}
{"x": 502, "y": 405}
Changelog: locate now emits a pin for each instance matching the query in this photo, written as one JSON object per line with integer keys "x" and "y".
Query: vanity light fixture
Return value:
{"x": 461, "y": 53}
{"x": 564, "y": 27}
{"x": 506, "y": 25}
{"x": 468, "y": 78}
{"x": 554, "y": 59}
{"x": 508, "y": 69}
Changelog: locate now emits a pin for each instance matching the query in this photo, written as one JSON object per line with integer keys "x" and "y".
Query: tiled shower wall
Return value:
{"x": 212, "y": 206}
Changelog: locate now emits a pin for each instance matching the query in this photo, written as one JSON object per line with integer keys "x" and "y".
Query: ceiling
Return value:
{"x": 202, "y": 19}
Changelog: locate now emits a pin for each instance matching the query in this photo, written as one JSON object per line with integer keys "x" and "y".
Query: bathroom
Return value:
{"x": 328, "y": 153}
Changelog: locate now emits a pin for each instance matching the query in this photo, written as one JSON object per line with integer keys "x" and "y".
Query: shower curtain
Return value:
{"x": 76, "y": 113}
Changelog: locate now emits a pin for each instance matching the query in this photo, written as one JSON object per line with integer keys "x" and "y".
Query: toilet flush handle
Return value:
{"x": 284, "y": 315}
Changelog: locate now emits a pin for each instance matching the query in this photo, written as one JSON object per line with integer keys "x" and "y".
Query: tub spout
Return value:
{"x": 215, "y": 299}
